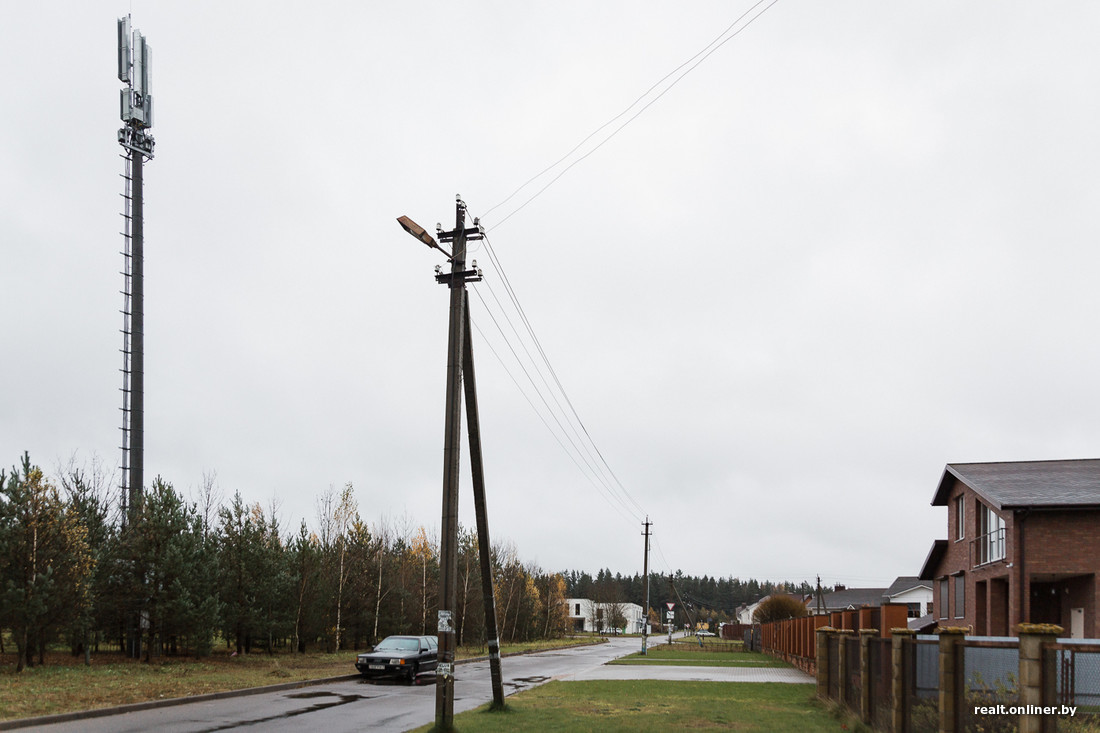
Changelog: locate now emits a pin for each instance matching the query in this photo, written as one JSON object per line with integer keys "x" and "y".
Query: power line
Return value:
{"x": 550, "y": 368}
{"x": 595, "y": 462}
{"x": 606, "y": 496}
{"x": 704, "y": 52}
{"x": 543, "y": 397}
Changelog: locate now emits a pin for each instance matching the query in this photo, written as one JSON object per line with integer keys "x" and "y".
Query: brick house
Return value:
{"x": 1023, "y": 546}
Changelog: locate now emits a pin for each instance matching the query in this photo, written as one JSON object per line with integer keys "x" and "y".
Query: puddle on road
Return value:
{"x": 518, "y": 682}
{"x": 316, "y": 707}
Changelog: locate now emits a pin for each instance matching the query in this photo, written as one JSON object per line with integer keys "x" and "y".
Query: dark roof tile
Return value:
{"x": 1027, "y": 484}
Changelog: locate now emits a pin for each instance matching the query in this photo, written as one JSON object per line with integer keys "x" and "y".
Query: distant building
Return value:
{"x": 595, "y": 617}
{"x": 914, "y": 593}
{"x": 745, "y": 613}
{"x": 1023, "y": 546}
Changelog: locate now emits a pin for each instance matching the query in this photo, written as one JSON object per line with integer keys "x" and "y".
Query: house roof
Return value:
{"x": 904, "y": 583}
{"x": 928, "y": 570}
{"x": 923, "y": 625}
{"x": 1027, "y": 484}
{"x": 853, "y": 597}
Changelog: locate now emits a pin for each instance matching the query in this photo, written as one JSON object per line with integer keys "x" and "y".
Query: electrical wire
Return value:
{"x": 538, "y": 346}
{"x": 604, "y": 467}
{"x": 543, "y": 419}
{"x": 713, "y": 46}
{"x": 545, "y": 403}
{"x": 598, "y": 472}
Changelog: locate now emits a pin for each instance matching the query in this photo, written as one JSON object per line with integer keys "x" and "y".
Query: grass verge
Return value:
{"x": 63, "y": 684}
{"x": 653, "y": 705}
{"x": 693, "y": 657}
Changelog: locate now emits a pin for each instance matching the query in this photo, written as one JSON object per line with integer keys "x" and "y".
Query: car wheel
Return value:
{"x": 412, "y": 675}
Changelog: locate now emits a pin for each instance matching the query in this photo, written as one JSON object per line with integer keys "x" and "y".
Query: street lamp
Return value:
{"x": 420, "y": 233}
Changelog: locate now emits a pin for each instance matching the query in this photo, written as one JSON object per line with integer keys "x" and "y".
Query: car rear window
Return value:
{"x": 396, "y": 644}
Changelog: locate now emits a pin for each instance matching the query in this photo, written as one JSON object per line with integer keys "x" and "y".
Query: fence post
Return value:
{"x": 842, "y": 665}
{"x": 865, "y": 682}
{"x": 950, "y": 677}
{"x": 1034, "y": 676}
{"x": 823, "y": 661}
{"x": 898, "y": 638}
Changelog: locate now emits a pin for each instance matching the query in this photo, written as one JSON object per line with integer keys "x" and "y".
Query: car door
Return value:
{"x": 429, "y": 654}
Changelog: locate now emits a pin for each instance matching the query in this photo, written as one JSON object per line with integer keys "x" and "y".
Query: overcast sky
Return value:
{"x": 856, "y": 243}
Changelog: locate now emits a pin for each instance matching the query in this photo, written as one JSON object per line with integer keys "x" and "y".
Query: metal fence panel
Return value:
{"x": 853, "y": 687}
{"x": 990, "y": 675}
{"x": 922, "y": 686}
{"x": 1077, "y": 685}
{"x": 882, "y": 684}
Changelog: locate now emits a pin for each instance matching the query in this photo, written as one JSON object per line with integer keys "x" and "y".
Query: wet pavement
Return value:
{"x": 391, "y": 707}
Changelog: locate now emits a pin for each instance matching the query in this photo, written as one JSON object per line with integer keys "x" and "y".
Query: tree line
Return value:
{"x": 169, "y": 576}
{"x": 709, "y": 600}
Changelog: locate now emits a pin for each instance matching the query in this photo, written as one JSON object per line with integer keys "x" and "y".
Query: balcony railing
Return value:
{"x": 987, "y": 548}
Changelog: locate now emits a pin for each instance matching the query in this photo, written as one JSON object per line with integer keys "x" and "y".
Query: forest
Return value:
{"x": 169, "y": 576}
{"x": 700, "y": 599}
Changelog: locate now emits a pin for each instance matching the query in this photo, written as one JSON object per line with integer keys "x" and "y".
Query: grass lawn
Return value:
{"x": 63, "y": 684}
{"x": 692, "y": 656}
{"x": 652, "y": 705}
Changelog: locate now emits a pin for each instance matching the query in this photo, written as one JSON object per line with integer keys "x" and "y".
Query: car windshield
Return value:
{"x": 396, "y": 644}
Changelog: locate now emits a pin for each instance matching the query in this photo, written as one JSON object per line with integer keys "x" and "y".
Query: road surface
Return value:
{"x": 355, "y": 705}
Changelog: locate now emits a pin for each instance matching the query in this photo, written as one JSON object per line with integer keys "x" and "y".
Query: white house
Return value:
{"x": 591, "y": 616}
{"x": 744, "y": 613}
{"x": 913, "y": 592}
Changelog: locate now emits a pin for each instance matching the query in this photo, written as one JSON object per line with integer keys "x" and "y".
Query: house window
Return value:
{"x": 991, "y": 535}
{"x": 578, "y": 611}
{"x": 960, "y": 517}
{"x": 960, "y": 596}
{"x": 943, "y": 597}
{"x": 914, "y": 610}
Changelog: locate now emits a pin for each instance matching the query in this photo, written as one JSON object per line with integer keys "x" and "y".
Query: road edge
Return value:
{"x": 133, "y": 707}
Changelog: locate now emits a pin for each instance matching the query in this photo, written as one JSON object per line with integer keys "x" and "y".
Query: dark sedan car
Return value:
{"x": 399, "y": 656}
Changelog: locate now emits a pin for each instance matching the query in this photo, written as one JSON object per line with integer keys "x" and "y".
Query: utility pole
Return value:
{"x": 448, "y": 555}
{"x": 645, "y": 611}
{"x": 473, "y": 427}
{"x": 460, "y": 373}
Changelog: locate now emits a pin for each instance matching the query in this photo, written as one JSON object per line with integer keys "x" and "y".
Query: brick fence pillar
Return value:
{"x": 1035, "y": 677}
{"x": 951, "y": 673}
{"x": 823, "y": 661}
{"x": 865, "y": 681}
{"x": 843, "y": 664}
{"x": 898, "y": 639}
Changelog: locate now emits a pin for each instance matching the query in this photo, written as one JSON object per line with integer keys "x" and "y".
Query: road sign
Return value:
{"x": 669, "y": 615}
{"x": 670, "y": 606}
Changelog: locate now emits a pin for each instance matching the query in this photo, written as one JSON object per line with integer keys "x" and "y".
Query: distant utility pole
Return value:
{"x": 136, "y": 111}
{"x": 645, "y": 611}
{"x": 460, "y": 359}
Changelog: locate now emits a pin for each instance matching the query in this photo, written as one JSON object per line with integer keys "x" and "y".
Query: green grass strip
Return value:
{"x": 652, "y": 705}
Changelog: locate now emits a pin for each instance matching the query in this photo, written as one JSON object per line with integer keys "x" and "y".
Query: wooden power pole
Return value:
{"x": 645, "y": 611}
{"x": 460, "y": 373}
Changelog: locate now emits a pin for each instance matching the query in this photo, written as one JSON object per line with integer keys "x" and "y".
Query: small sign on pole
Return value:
{"x": 671, "y": 606}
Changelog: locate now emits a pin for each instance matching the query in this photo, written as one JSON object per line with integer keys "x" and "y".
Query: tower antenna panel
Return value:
{"x": 124, "y": 49}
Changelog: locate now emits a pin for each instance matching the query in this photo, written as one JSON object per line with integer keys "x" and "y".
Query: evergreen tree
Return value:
{"x": 45, "y": 561}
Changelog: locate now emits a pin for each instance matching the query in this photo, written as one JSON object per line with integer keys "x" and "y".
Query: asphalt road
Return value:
{"x": 356, "y": 705}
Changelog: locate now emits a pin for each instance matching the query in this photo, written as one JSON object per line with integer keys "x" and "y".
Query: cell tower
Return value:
{"x": 136, "y": 110}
